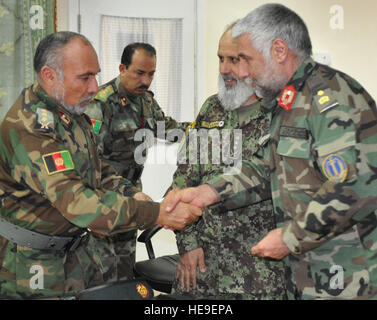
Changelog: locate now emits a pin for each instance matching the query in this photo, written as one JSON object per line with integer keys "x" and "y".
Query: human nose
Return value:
{"x": 243, "y": 70}
{"x": 93, "y": 85}
{"x": 225, "y": 68}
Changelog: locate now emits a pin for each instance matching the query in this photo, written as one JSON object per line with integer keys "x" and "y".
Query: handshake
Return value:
{"x": 182, "y": 207}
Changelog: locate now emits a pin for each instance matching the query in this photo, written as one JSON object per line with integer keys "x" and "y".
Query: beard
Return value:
{"x": 234, "y": 97}
{"x": 271, "y": 82}
{"x": 76, "y": 109}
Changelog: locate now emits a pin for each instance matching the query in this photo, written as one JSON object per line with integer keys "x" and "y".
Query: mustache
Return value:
{"x": 143, "y": 86}
{"x": 229, "y": 77}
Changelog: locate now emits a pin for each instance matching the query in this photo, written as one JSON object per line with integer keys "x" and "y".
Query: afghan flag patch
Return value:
{"x": 97, "y": 124}
{"x": 58, "y": 162}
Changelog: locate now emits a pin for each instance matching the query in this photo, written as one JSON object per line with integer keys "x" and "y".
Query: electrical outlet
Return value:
{"x": 323, "y": 58}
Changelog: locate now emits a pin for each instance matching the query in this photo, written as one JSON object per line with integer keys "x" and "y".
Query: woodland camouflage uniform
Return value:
{"x": 53, "y": 182}
{"x": 321, "y": 159}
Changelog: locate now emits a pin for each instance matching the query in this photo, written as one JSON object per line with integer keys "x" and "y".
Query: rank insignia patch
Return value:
{"x": 58, "y": 162}
{"x": 65, "y": 118}
{"x": 45, "y": 119}
{"x": 287, "y": 97}
{"x": 335, "y": 168}
{"x": 142, "y": 290}
{"x": 96, "y": 124}
{"x": 325, "y": 100}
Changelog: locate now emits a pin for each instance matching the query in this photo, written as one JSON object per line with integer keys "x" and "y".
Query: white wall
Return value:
{"x": 352, "y": 49}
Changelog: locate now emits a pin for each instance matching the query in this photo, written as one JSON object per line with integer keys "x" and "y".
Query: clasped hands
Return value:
{"x": 191, "y": 201}
{"x": 182, "y": 207}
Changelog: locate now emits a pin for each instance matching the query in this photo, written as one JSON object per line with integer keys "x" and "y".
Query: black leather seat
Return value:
{"x": 159, "y": 272}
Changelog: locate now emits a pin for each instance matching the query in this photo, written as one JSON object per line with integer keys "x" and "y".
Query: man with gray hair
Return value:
{"x": 214, "y": 252}
{"x": 320, "y": 156}
{"x": 54, "y": 189}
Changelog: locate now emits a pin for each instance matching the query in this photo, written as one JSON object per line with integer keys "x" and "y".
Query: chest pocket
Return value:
{"x": 294, "y": 143}
{"x": 125, "y": 124}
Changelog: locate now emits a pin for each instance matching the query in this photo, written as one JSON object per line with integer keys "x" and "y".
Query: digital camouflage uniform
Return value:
{"x": 322, "y": 161}
{"x": 53, "y": 182}
{"x": 116, "y": 116}
{"x": 227, "y": 236}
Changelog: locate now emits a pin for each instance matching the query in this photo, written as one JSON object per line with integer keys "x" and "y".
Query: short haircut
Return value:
{"x": 49, "y": 50}
{"x": 272, "y": 21}
{"x": 129, "y": 51}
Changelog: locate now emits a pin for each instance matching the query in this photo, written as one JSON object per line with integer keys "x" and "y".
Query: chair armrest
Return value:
{"x": 146, "y": 236}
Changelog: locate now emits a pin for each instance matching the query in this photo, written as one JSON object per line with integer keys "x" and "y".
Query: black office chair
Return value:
{"x": 159, "y": 272}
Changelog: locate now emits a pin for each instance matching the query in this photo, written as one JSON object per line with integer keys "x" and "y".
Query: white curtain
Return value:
{"x": 165, "y": 35}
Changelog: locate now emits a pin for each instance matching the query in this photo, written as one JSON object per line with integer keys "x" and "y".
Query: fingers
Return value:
{"x": 187, "y": 268}
{"x": 202, "y": 265}
{"x": 140, "y": 196}
{"x": 172, "y": 199}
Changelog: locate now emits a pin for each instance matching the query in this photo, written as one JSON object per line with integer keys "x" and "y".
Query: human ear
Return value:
{"x": 48, "y": 75}
{"x": 279, "y": 50}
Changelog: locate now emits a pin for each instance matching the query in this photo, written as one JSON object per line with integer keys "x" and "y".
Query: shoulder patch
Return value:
{"x": 335, "y": 168}
{"x": 104, "y": 93}
{"x": 97, "y": 125}
{"x": 324, "y": 100}
{"x": 321, "y": 93}
{"x": 58, "y": 162}
{"x": 44, "y": 120}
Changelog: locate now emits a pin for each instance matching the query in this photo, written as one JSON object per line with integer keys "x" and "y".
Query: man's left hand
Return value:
{"x": 271, "y": 246}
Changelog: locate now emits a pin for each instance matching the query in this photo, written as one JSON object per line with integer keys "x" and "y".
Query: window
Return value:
{"x": 165, "y": 35}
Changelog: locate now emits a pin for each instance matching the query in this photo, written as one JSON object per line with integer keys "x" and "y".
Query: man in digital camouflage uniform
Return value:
{"x": 219, "y": 243}
{"x": 54, "y": 189}
{"x": 320, "y": 158}
{"x": 122, "y": 107}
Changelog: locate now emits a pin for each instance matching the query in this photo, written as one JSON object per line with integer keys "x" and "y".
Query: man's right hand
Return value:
{"x": 201, "y": 196}
{"x": 179, "y": 217}
{"x": 186, "y": 270}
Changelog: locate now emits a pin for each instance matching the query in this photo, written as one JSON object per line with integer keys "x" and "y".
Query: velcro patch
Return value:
{"x": 294, "y": 132}
{"x": 97, "y": 125}
{"x": 210, "y": 125}
{"x": 58, "y": 162}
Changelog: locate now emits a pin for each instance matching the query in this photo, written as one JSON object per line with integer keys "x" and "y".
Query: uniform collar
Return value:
{"x": 297, "y": 81}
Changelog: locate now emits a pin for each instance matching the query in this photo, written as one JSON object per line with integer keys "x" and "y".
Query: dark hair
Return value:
{"x": 49, "y": 49}
{"x": 129, "y": 51}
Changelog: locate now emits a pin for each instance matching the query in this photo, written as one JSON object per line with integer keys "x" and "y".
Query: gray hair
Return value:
{"x": 49, "y": 51}
{"x": 272, "y": 21}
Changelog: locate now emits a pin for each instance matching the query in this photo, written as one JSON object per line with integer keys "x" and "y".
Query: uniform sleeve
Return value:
{"x": 345, "y": 147}
{"x": 187, "y": 175}
{"x": 241, "y": 187}
{"x": 170, "y": 123}
{"x": 102, "y": 210}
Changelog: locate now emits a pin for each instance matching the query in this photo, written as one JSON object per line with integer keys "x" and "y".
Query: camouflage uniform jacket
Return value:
{"x": 53, "y": 182}
{"x": 322, "y": 161}
{"x": 116, "y": 116}
{"x": 226, "y": 237}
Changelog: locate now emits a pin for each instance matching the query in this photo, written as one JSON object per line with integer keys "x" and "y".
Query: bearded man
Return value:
{"x": 219, "y": 243}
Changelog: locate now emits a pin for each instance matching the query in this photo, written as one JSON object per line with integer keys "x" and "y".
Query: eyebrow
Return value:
{"x": 89, "y": 73}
